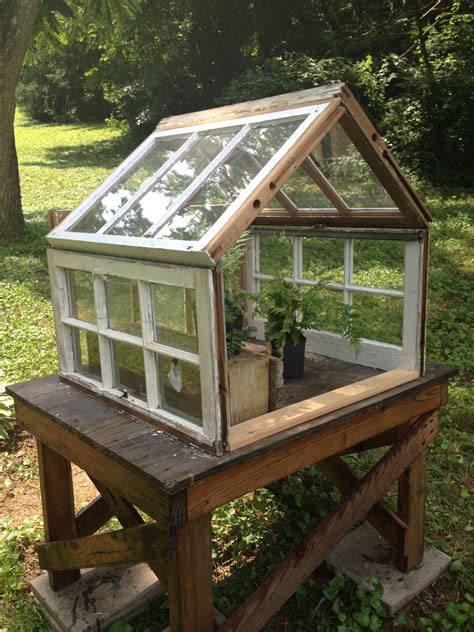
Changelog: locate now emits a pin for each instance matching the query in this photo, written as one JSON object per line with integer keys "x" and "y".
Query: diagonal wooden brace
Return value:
{"x": 381, "y": 516}
{"x": 262, "y": 604}
{"x": 137, "y": 544}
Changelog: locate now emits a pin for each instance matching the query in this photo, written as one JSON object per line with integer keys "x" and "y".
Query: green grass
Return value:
{"x": 60, "y": 165}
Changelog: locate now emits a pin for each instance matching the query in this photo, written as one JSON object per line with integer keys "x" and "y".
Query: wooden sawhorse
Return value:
{"x": 135, "y": 466}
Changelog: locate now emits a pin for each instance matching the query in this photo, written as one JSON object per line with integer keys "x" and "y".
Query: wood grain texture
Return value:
{"x": 190, "y": 578}
{"x": 227, "y": 484}
{"x": 136, "y": 544}
{"x": 276, "y": 421}
{"x": 314, "y": 548}
{"x": 150, "y": 466}
{"x": 58, "y": 507}
{"x": 411, "y": 507}
{"x": 381, "y": 516}
{"x": 251, "y": 108}
{"x": 93, "y": 516}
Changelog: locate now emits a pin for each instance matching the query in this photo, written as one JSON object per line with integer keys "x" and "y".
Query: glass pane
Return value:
{"x": 81, "y": 296}
{"x": 126, "y": 187}
{"x": 379, "y": 263}
{"x": 349, "y": 173}
{"x": 232, "y": 177}
{"x": 304, "y": 192}
{"x": 175, "y": 316}
{"x": 180, "y": 388}
{"x": 153, "y": 204}
{"x": 330, "y": 316}
{"x": 129, "y": 369}
{"x": 123, "y": 306}
{"x": 87, "y": 354}
{"x": 323, "y": 259}
{"x": 276, "y": 255}
{"x": 378, "y": 317}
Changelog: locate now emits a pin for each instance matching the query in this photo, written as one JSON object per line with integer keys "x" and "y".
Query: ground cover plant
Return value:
{"x": 60, "y": 165}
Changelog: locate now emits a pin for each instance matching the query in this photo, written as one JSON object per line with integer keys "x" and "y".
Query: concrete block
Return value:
{"x": 100, "y": 597}
{"x": 363, "y": 554}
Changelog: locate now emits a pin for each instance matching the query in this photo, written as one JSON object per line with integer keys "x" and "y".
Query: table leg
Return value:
{"x": 58, "y": 506}
{"x": 190, "y": 578}
{"x": 411, "y": 508}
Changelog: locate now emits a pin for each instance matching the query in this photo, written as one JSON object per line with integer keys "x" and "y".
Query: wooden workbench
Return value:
{"x": 134, "y": 465}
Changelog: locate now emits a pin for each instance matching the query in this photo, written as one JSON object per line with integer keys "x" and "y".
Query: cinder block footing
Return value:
{"x": 100, "y": 597}
{"x": 363, "y": 554}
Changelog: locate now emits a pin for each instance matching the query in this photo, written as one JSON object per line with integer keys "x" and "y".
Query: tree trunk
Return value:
{"x": 17, "y": 18}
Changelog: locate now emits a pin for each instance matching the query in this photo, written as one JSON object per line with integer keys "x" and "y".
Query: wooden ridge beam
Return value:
{"x": 137, "y": 544}
{"x": 381, "y": 516}
{"x": 262, "y": 604}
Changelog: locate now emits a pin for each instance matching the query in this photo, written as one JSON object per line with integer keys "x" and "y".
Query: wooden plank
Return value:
{"x": 129, "y": 517}
{"x": 93, "y": 516}
{"x": 248, "y": 386}
{"x": 133, "y": 484}
{"x": 331, "y": 439}
{"x": 58, "y": 507}
{"x": 276, "y": 421}
{"x": 190, "y": 578}
{"x": 251, "y": 108}
{"x": 221, "y": 353}
{"x": 381, "y": 516}
{"x": 56, "y": 217}
{"x": 411, "y": 507}
{"x": 136, "y": 544}
{"x": 314, "y": 548}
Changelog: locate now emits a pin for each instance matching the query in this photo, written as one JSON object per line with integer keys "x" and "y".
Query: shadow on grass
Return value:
{"x": 103, "y": 153}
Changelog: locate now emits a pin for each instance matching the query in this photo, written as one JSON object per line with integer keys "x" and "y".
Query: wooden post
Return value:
{"x": 58, "y": 507}
{"x": 190, "y": 578}
{"x": 411, "y": 508}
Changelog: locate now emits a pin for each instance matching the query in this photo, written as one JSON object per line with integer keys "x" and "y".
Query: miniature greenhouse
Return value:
{"x": 137, "y": 274}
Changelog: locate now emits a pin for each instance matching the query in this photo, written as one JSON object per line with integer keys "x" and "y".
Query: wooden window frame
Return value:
{"x": 146, "y": 274}
{"x": 410, "y": 354}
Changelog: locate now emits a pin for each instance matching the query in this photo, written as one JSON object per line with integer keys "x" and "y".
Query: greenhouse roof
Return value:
{"x": 186, "y": 194}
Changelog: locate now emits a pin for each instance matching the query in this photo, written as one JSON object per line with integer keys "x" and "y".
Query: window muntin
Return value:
{"x": 127, "y": 366}
{"x": 330, "y": 262}
{"x": 153, "y": 205}
{"x": 123, "y": 190}
{"x": 195, "y": 218}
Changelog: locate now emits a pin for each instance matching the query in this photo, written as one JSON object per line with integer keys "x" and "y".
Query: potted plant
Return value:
{"x": 289, "y": 311}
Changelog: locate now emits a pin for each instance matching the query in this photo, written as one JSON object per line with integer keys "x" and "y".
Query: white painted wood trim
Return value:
{"x": 198, "y": 182}
{"x": 105, "y": 346}
{"x": 378, "y": 355}
{"x": 149, "y": 183}
{"x": 59, "y": 294}
{"x": 161, "y": 250}
{"x": 80, "y": 324}
{"x": 207, "y": 339}
{"x": 149, "y": 357}
{"x": 261, "y": 176}
{"x": 174, "y": 352}
{"x": 412, "y": 308}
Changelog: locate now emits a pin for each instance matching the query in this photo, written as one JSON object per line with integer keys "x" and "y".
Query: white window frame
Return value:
{"x": 167, "y": 250}
{"x": 198, "y": 279}
{"x": 373, "y": 353}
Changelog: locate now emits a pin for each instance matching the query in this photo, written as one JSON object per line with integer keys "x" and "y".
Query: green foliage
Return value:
{"x": 234, "y": 296}
{"x": 290, "y": 310}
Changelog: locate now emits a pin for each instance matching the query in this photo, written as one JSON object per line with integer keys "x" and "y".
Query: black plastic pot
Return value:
{"x": 293, "y": 358}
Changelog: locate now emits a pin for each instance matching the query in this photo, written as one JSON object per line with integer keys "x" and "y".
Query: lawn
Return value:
{"x": 60, "y": 165}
